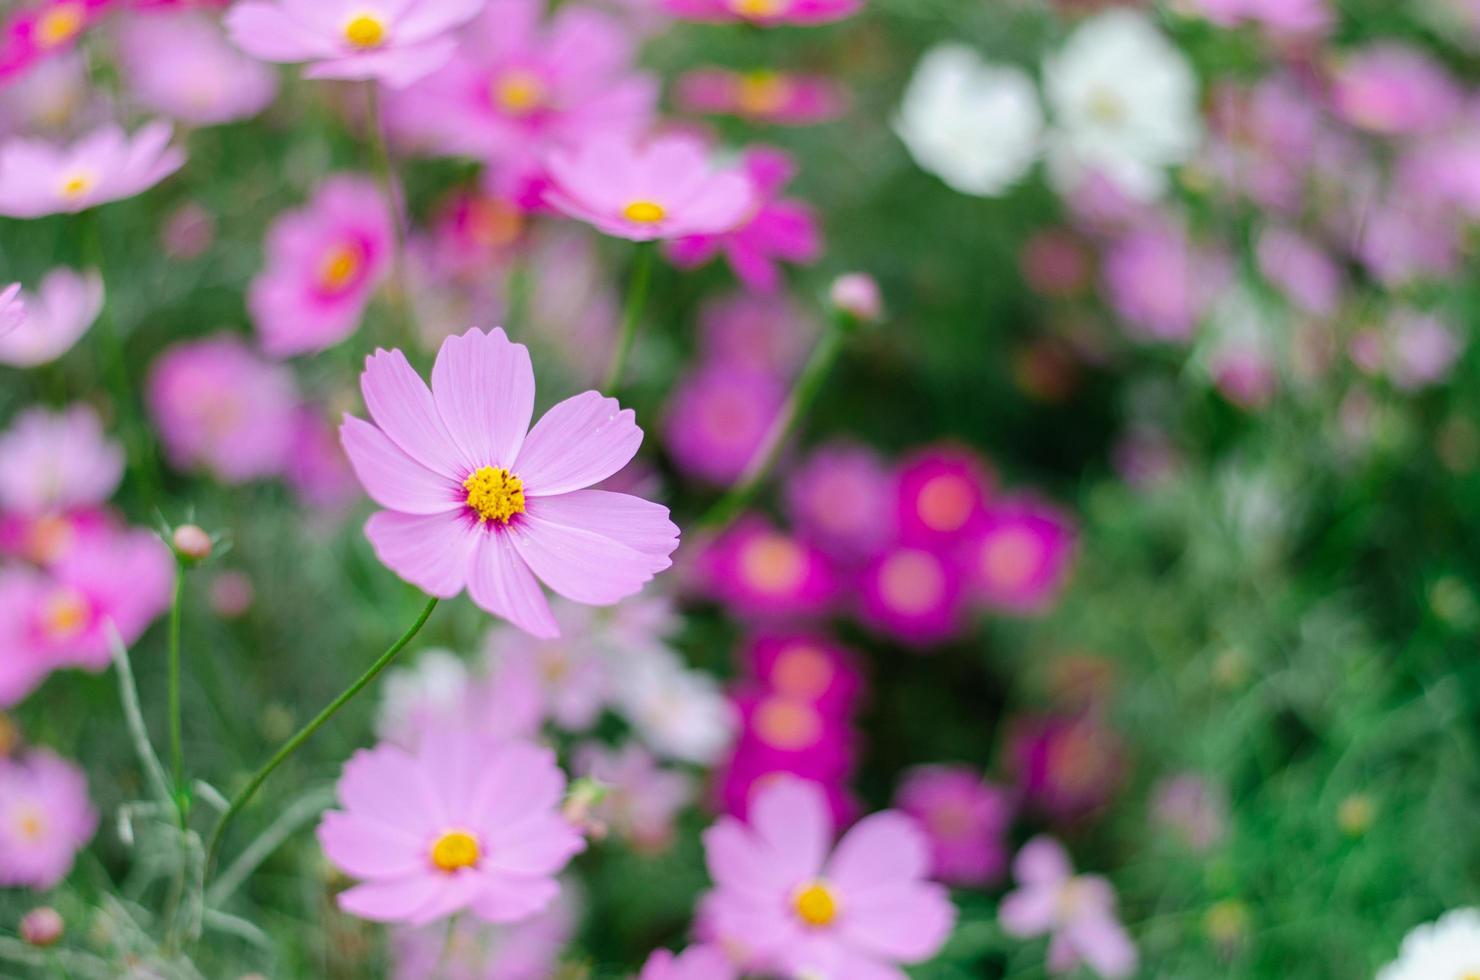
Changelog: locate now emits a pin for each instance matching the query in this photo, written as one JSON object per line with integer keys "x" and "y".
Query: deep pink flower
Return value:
{"x": 395, "y": 43}
{"x": 464, "y": 823}
{"x": 913, "y": 594}
{"x": 808, "y": 667}
{"x": 776, "y": 230}
{"x": 847, "y": 913}
{"x": 39, "y": 178}
{"x": 46, "y": 817}
{"x": 842, "y": 498}
{"x": 763, "y": 96}
{"x": 668, "y": 187}
{"x": 1021, "y": 557}
{"x": 1077, "y": 911}
{"x": 324, "y": 263}
{"x": 1394, "y": 90}
{"x": 1064, "y": 766}
{"x": 42, "y": 30}
{"x": 477, "y": 500}
{"x": 781, "y": 733}
{"x": 694, "y": 963}
{"x": 966, "y": 819}
{"x": 476, "y": 950}
{"x": 220, "y": 407}
{"x": 761, "y": 571}
{"x": 574, "y": 671}
{"x": 52, "y": 319}
{"x": 202, "y": 80}
{"x": 718, "y": 416}
{"x": 942, "y": 493}
{"x": 747, "y": 774}
{"x": 767, "y": 13}
{"x": 1161, "y": 283}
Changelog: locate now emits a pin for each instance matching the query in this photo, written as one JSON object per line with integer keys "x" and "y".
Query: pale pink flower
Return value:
{"x": 477, "y": 950}
{"x": 417, "y": 697}
{"x": 179, "y": 64}
{"x": 39, "y": 178}
{"x": 1394, "y": 90}
{"x": 842, "y": 498}
{"x": 477, "y": 500}
{"x": 694, "y": 963}
{"x": 1077, "y": 911}
{"x": 766, "y": 13}
{"x": 763, "y": 96}
{"x": 55, "y": 462}
{"x": 847, "y": 913}
{"x": 1161, "y": 283}
{"x": 46, "y": 817}
{"x": 324, "y": 263}
{"x": 463, "y": 823}
{"x": 395, "y": 42}
{"x": 1422, "y": 349}
{"x": 642, "y": 799}
{"x": 680, "y": 713}
{"x": 61, "y": 310}
{"x": 574, "y": 675}
{"x": 668, "y": 187}
{"x": 51, "y": 97}
{"x": 1281, "y": 18}
{"x": 12, "y": 309}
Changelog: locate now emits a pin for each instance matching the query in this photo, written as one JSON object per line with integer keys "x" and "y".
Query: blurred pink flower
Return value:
{"x": 1422, "y": 349}
{"x": 1282, "y": 18}
{"x": 188, "y": 231}
{"x": 1076, "y": 911}
{"x": 12, "y": 309}
{"x": 763, "y": 96}
{"x": 1265, "y": 140}
{"x": 912, "y": 594}
{"x": 857, "y": 295}
{"x": 718, "y": 416}
{"x": 668, "y": 187}
{"x": 463, "y": 823}
{"x": 807, "y": 667}
{"x": 760, "y": 571}
{"x": 1191, "y": 807}
{"x": 966, "y": 819}
{"x": 1021, "y": 558}
{"x": 477, "y": 500}
{"x": 777, "y": 230}
{"x": 942, "y": 494}
{"x": 766, "y": 333}
{"x": 324, "y": 263}
{"x": 1394, "y": 90}
{"x": 54, "y": 318}
{"x": 1057, "y": 263}
{"x": 39, "y": 178}
{"x": 202, "y": 81}
{"x": 781, "y": 733}
{"x": 220, "y": 407}
{"x": 56, "y": 462}
{"x": 694, "y": 963}
{"x": 1300, "y": 269}
{"x": 642, "y": 799}
{"x": 1399, "y": 242}
{"x": 42, "y": 30}
{"x": 478, "y": 950}
{"x": 853, "y": 911}
{"x": 1160, "y": 283}
{"x": 766, "y": 13}
{"x": 841, "y": 497}
{"x": 316, "y": 467}
{"x": 1064, "y": 766}
{"x": 395, "y": 44}
{"x": 46, "y": 817}
{"x": 574, "y": 670}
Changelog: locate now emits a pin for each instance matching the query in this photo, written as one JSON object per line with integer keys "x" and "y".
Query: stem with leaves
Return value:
{"x": 637, "y": 290}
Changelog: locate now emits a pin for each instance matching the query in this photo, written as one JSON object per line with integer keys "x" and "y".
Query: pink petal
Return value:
{"x": 1102, "y": 943}
{"x": 907, "y": 924}
{"x": 390, "y": 477}
{"x": 397, "y": 900}
{"x": 506, "y": 898}
{"x": 739, "y": 863}
{"x": 366, "y": 849}
{"x": 264, "y": 31}
{"x": 886, "y": 850}
{"x": 433, "y": 552}
{"x": 582, "y": 565}
{"x": 402, "y": 407}
{"x": 639, "y": 524}
{"x": 1029, "y": 911}
{"x": 541, "y": 847}
{"x": 581, "y": 441}
{"x": 792, "y": 816}
{"x": 386, "y": 784}
{"x": 515, "y": 782}
{"x": 483, "y": 386}
{"x": 501, "y": 583}
{"x": 1042, "y": 860}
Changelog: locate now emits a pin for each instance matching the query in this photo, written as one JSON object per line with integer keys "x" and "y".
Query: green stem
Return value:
{"x": 385, "y": 173}
{"x": 177, "y": 742}
{"x": 637, "y": 290}
{"x": 292, "y": 745}
{"x": 803, "y": 394}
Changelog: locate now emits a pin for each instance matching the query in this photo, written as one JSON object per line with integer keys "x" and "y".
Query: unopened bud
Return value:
{"x": 857, "y": 294}
{"x": 580, "y": 807}
{"x": 42, "y": 926}
{"x": 191, "y": 543}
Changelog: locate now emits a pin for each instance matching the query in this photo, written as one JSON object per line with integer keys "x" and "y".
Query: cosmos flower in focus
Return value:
{"x": 55, "y": 317}
{"x": 966, "y": 818}
{"x": 765, "y": 13}
{"x": 203, "y": 81}
{"x": 393, "y": 43}
{"x": 1446, "y": 948}
{"x": 475, "y": 499}
{"x": 461, "y": 824}
{"x": 46, "y": 817}
{"x": 667, "y": 187}
{"x": 1076, "y": 911}
{"x": 39, "y": 178}
{"x": 763, "y": 96}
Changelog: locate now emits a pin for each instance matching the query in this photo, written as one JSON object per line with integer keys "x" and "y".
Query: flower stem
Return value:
{"x": 385, "y": 173}
{"x": 134, "y": 718}
{"x": 292, "y": 745}
{"x": 724, "y": 512}
{"x": 177, "y": 745}
{"x": 637, "y": 290}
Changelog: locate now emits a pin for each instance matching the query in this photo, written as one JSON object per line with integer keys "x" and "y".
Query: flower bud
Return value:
{"x": 191, "y": 543}
{"x": 857, "y": 294}
{"x": 42, "y": 926}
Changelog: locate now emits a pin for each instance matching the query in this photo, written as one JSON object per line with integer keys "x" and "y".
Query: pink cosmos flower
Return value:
{"x": 1064, "y": 766}
{"x": 1077, "y": 911}
{"x": 1422, "y": 349}
{"x": 766, "y": 13}
{"x": 1301, "y": 270}
{"x": 1162, "y": 284}
{"x": 777, "y": 229}
{"x": 477, "y": 500}
{"x": 12, "y": 309}
{"x": 781, "y": 733}
{"x": 574, "y": 673}
{"x": 842, "y": 498}
{"x": 853, "y": 912}
{"x": 396, "y": 43}
{"x": 1281, "y": 18}
{"x": 748, "y": 773}
{"x": 807, "y": 667}
{"x": 695, "y": 963}
{"x": 204, "y": 81}
{"x": 763, "y": 96}
{"x": 1394, "y": 90}
{"x": 57, "y": 462}
{"x": 43, "y": 30}
{"x": 761, "y": 571}
{"x": 966, "y": 818}
{"x": 324, "y": 263}
{"x": 913, "y": 594}
{"x": 38, "y": 178}
{"x": 220, "y": 407}
{"x": 464, "y": 823}
{"x": 46, "y": 817}
{"x": 668, "y": 187}
{"x": 718, "y": 416}
{"x": 478, "y": 950}
{"x": 1022, "y": 555}
{"x": 316, "y": 468}
{"x": 942, "y": 493}
{"x": 61, "y": 310}
{"x": 1265, "y": 139}
{"x": 770, "y": 334}
{"x": 642, "y": 799}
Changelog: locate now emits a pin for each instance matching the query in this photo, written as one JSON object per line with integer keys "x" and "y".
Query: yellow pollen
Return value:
{"x": 76, "y": 185}
{"x": 758, "y": 8}
{"x": 63, "y": 614}
{"x": 496, "y": 494}
{"x": 59, "y": 24}
{"x": 762, "y": 92}
{"x": 644, "y": 212}
{"x": 365, "y": 31}
{"x": 456, "y": 849}
{"x": 30, "y": 824}
{"x": 1471, "y": 975}
{"x": 340, "y": 265}
{"x": 1106, "y": 106}
{"x": 518, "y": 92}
{"x": 816, "y": 906}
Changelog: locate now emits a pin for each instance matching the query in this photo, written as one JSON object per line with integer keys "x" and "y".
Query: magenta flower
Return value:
{"x": 1064, "y": 766}
{"x": 766, "y": 13}
{"x": 1022, "y": 555}
{"x": 761, "y": 571}
{"x": 942, "y": 493}
{"x": 718, "y": 416}
{"x": 763, "y": 96}
{"x": 1077, "y": 911}
{"x": 396, "y": 43}
{"x": 203, "y": 81}
{"x": 777, "y": 230}
{"x": 46, "y": 817}
{"x": 781, "y": 733}
{"x": 807, "y": 667}
{"x": 464, "y": 823}
{"x": 914, "y": 595}
{"x": 477, "y": 500}
{"x": 966, "y": 819}
{"x": 52, "y": 319}
{"x": 43, "y": 30}
{"x": 38, "y": 178}
{"x": 668, "y": 187}
{"x": 842, "y": 498}
{"x": 324, "y": 263}
{"x": 57, "y": 462}
{"x": 220, "y": 407}
{"x": 847, "y": 913}
{"x": 1395, "y": 90}
{"x": 694, "y": 963}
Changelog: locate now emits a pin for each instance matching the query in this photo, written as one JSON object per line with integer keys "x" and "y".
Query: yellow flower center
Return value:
{"x": 1471, "y": 975}
{"x": 30, "y": 824}
{"x": 762, "y": 92}
{"x": 758, "y": 8}
{"x": 456, "y": 849}
{"x": 64, "y": 613}
{"x": 365, "y": 31}
{"x": 773, "y": 564}
{"x": 339, "y": 267}
{"x": 496, "y": 494}
{"x": 803, "y": 671}
{"x": 518, "y": 92}
{"x": 644, "y": 212}
{"x": 816, "y": 905}
{"x": 1106, "y": 106}
{"x": 77, "y": 185}
{"x": 1009, "y": 558}
{"x": 59, "y": 24}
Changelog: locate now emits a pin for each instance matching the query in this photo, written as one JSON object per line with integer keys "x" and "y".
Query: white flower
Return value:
{"x": 679, "y": 713}
{"x": 1124, "y": 102}
{"x": 1445, "y": 950}
{"x": 974, "y": 125}
{"x": 435, "y": 687}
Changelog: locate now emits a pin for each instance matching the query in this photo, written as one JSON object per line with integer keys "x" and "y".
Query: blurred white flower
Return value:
{"x": 1124, "y": 106}
{"x": 1438, "y": 950}
{"x": 975, "y": 125}
{"x": 680, "y": 713}
{"x": 432, "y": 689}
